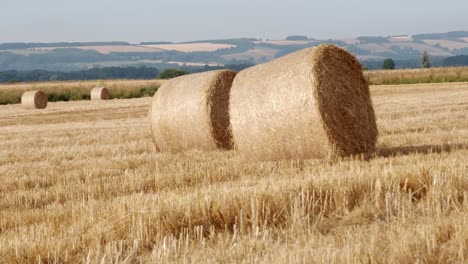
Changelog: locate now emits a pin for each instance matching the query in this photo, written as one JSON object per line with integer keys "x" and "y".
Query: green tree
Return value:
{"x": 425, "y": 60}
{"x": 172, "y": 73}
{"x": 388, "y": 64}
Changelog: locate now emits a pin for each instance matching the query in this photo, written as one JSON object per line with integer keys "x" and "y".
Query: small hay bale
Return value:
{"x": 100, "y": 93}
{"x": 192, "y": 112}
{"x": 34, "y": 100}
{"x": 314, "y": 103}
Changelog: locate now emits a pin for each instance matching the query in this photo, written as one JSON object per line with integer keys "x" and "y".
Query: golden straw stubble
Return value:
{"x": 192, "y": 112}
{"x": 100, "y": 93}
{"x": 34, "y": 100}
{"x": 314, "y": 103}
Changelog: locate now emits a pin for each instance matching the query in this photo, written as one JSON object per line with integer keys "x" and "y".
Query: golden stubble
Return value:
{"x": 82, "y": 182}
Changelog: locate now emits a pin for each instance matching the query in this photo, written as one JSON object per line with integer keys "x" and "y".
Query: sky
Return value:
{"x": 184, "y": 20}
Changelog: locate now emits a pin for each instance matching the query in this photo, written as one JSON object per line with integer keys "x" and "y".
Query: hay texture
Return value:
{"x": 34, "y": 100}
{"x": 191, "y": 112}
{"x": 314, "y": 103}
{"x": 100, "y": 93}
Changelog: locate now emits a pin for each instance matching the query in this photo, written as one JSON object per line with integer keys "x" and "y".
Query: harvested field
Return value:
{"x": 450, "y": 44}
{"x": 191, "y": 47}
{"x": 434, "y": 51}
{"x": 284, "y": 42}
{"x": 401, "y": 39}
{"x": 91, "y": 188}
{"x": 255, "y": 53}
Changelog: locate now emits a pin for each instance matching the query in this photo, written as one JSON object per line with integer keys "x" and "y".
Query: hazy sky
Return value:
{"x": 184, "y": 20}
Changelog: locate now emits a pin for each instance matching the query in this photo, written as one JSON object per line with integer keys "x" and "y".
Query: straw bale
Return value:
{"x": 34, "y": 100}
{"x": 191, "y": 112}
{"x": 314, "y": 103}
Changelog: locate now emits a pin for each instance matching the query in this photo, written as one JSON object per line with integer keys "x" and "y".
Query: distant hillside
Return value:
{"x": 371, "y": 50}
{"x": 21, "y": 45}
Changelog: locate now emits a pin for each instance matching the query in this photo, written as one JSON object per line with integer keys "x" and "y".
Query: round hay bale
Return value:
{"x": 192, "y": 112}
{"x": 100, "y": 93}
{"x": 34, "y": 100}
{"x": 314, "y": 103}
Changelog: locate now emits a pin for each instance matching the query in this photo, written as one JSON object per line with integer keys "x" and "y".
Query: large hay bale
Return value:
{"x": 314, "y": 103}
{"x": 192, "y": 112}
{"x": 34, "y": 100}
{"x": 100, "y": 93}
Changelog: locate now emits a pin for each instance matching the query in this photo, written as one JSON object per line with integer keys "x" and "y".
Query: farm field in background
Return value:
{"x": 79, "y": 90}
{"x": 82, "y": 182}
{"x": 105, "y": 49}
{"x": 410, "y": 76}
{"x": 191, "y": 47}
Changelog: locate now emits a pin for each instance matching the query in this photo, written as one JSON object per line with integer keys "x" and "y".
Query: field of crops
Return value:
{"x": 79, "y": 90}
{"x": 412, "y": 76}
{"x": 81, "y": 182}
{"x": 124, "y": 89}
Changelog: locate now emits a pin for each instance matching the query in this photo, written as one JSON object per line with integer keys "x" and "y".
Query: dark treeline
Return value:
{"x": 156, "y": 43}
{"x": 297, "y": 38}
{"x": 89, "y": 74}
{"x": 143, "y": 73}
{"x": 21, "y": 45}
{"x": 68, "y": 59}
{"x": 460, "y": 60}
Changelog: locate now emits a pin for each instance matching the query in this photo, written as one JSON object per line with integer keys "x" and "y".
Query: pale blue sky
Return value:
{"x": 184, "y": 20}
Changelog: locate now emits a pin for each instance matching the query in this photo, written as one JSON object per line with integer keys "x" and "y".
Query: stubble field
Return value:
{"x": 82, "y": 182}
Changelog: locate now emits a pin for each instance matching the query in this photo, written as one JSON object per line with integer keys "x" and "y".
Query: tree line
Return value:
{"x": 106, "y": 73}
{"x": 22, "y": 45}
{"x": 425, "y": 62}
{"x": 13, "y": 76}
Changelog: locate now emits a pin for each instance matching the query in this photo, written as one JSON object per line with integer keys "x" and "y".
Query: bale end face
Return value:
{"x": 100, "y": 93}
{"x": 344, "y": 103}
{"x": 34, "y": 100}
{"x": 218, "y": 109}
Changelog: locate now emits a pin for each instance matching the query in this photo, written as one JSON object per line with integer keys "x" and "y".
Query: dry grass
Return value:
{"x": 81, "y": 182}
{"x": 78, "y": 90}
{"x": 410, "y": 76}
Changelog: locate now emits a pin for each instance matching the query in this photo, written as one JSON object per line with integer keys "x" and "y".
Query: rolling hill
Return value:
{"x": 371, "y": 50}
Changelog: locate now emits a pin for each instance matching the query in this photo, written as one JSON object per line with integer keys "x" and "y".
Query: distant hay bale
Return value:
{"x": 192, "y": 112}
{"x": 314, "y": 103}
{"x": 34, "y": 100}
{"x": 100, "y": 93}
